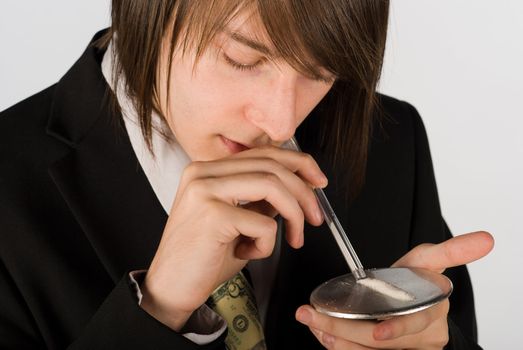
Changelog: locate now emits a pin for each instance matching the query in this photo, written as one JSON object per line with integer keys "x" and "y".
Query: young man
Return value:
{"x": 150, "y": 176}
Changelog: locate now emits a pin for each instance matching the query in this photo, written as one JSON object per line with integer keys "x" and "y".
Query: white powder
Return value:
{"x": 386, "y": 289}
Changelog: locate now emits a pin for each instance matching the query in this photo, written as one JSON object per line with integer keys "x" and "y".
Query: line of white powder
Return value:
{"x": 386, "y": 289}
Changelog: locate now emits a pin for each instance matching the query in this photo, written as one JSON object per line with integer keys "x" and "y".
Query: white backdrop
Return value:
{"x": 461, "y": 64}
{"x": 458, "y": 62}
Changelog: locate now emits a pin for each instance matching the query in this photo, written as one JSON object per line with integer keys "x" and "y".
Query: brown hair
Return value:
{"x": 346, "y": 37}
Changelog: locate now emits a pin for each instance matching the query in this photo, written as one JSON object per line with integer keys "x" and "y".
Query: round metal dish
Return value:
{"x": 343, "y": 297}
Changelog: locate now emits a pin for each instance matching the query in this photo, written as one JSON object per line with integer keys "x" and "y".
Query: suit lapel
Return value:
{"x": 100, "y": 178}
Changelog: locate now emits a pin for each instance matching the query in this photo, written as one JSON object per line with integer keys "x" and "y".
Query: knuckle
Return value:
{"x": 443, "y": 341}
{"x": 307, "y": 161}
{"x": 271, "y": 179}
{"x": 437, "y": 336}
{"x": 272, "y": 226}
{"x": 196, "y": 188}
{"x": 310, "y": 162}
{"x": 444, "y": 334}
{"x": 192, "y": 170}
{"x": 273, "y": 165}
{"x": 190, "y": 173}
{"x": 307, "y": 158}
{"x": 442, "y": 337}
{"x": 266, "y": 250}
{"x": 265, "y": 245}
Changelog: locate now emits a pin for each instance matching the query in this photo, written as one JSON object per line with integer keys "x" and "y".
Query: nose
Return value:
{"x": 275, "y": 108}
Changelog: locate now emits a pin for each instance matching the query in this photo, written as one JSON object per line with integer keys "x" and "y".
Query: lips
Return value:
{"x": 233, "y": 146}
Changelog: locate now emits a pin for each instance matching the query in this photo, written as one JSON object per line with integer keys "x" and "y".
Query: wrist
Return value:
{"x": 174, "y": 318}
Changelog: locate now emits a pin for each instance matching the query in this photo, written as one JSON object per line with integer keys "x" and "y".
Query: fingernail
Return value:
{"x": 382, "y": 334}
{"x": 304, "y": 316}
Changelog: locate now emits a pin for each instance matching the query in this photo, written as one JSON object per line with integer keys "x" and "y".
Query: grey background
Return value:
{"x": 458, "y": 62}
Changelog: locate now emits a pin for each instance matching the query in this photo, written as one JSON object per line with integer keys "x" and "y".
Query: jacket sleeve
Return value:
{"x": 119, "y": 323}
{"x": 428, "y": 225}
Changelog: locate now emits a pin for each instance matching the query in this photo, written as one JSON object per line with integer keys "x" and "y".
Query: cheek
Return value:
{"x": 201, "y": 106}
{"x": 190, "y": 102}
{"x": 205, "y": 96}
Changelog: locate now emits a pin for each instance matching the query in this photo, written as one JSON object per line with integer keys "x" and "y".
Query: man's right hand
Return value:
{"x": 208, "y": 237}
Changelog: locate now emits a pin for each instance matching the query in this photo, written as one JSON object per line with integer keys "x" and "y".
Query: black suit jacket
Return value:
{"x": 77, "y": 213}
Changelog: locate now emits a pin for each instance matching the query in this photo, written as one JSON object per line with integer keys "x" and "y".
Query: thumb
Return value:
{"x": 456, "y": 251}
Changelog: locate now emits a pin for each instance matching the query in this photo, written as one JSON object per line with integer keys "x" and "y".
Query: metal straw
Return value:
{"x": 334, "y": 225}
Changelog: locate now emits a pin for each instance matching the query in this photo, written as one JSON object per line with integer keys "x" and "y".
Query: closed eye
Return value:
{"x": 252, "y": 66}
{"x": 241, "y": 66}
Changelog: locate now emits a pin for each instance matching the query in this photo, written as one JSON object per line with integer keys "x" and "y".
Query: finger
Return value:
{"x": 297, "y": 162}
{"x": 320, "y": 337}
{"x": 435, "y": 336}
{"x": 331, "y": 342}
{"x": 410, "y": 324}
{"x": 301, "y": 190}
{"x": 456, "y": 251}
{"x": 259, "y": 231}
{"x": 255, "y": 187}
{"x": 360, "y": 332}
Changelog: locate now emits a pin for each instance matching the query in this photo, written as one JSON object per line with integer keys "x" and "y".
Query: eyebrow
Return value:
{"x": 256, "y": 45}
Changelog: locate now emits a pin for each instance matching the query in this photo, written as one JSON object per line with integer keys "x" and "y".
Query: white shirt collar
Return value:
{"x": 165, "y": 169}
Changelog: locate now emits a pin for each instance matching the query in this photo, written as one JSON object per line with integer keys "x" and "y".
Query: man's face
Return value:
{"x": 235, "y": 97}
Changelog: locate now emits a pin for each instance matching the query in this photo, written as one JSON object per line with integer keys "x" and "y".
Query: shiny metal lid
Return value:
{"x": 344, "y": 297}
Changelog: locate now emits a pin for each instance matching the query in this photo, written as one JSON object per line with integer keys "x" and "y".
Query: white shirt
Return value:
{"x": 163, "y": 173}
